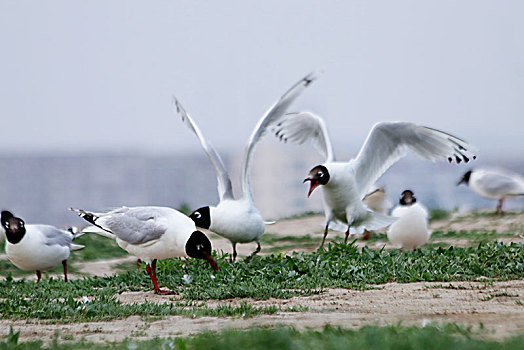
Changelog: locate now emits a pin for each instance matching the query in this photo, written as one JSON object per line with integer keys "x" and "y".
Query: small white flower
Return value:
{"x": 187, "y": 279}
{"x": 425, "y": 322}
{"x": 85, "y": 299}
{"x": 291, "y": 273}
{"x": 213, "y": 277}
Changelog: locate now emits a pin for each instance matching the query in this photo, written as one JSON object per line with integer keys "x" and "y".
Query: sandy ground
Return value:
{"x": 498, "y": 306}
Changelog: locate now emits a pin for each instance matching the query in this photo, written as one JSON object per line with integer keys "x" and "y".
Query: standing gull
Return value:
{"x": 346, "y": 183}
{"x": 494, "y": 183}
{"x": 410, "y": 231}
{"x": 151, "y": 233}
{"x": 238, "y": 219}
{"x": 36, "y": 247}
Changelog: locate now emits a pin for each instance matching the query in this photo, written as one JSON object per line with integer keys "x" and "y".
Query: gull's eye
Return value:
{"x": 21, "y": 224}
{"x": 320, "y": 174}
{"x": 198, "y": 215}
{"x": 6, "y": 224}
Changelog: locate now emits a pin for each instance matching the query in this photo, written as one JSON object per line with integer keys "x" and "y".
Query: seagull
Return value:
{"x": 151, "y": 233}
{"x": 410, "y": 231}
{"x": 346, "y": 183}
{"x": 494, "y": 183}
{"x": 238, "y": 220}
{"x": 37, "y": 247}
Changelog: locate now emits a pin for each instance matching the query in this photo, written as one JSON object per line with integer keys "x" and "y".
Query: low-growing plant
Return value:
{"x": 263, "y": 277}
{"x": 432, "y": 336}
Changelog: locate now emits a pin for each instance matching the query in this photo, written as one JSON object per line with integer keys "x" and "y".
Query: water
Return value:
{"x": 40, "y": 189}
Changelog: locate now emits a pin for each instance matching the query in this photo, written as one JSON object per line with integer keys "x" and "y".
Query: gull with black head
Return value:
{"x": 239, "y": 220}
{"x": 37, "y": 247}
{"x": 410, "y": 231}
{"x": 345, "y": 184}
{"x": 494, "y": 183}
{"x": 151, "y": 233}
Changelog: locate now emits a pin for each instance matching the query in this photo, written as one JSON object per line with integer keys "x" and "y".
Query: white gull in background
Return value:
{"x": 494, "y": 183}
{"x": 410, "y": 231}
{"x": 238, "y": 219}
{"x": 151, "y": 233}
{"x": 346, "y": 183}
{"x": 36, "y": 247}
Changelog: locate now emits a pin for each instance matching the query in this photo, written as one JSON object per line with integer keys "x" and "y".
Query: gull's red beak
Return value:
{"x": 312, "y": 186}
{"x": 210, "y": 260}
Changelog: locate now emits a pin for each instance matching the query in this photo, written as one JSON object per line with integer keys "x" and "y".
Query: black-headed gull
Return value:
{"x": 151, "y": 233}
{"x": 238, "y": 219}
{"x": 36, "y": 247}
{"x": 410, "y": 231}
{"x": 494, "y": 183}
{"x": 346, "y": 183}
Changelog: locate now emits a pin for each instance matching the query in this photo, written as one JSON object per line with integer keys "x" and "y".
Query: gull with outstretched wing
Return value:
{"x": 238, "y": 219}
{"x": 345, "y": 184}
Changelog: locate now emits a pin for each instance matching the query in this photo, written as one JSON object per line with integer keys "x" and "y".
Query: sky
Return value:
{"x": 81, "y": 77}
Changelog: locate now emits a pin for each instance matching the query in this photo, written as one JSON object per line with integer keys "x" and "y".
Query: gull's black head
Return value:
{"x": 14, "y": 227}
{"x": 407, "y": 198}
{"x": 201, "y": 217}
{"x": 319, "y": 175}
{"x": 465, "y": 178}
{"x": 199, "y": 246}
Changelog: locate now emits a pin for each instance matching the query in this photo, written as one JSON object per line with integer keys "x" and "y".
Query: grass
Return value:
{"x": 432, "y": 336}
{"x": 96, "y": 247}
{"x": 472, "y": 236}
{"x": 438, "y": 214}
{"x": 276, "y": 275}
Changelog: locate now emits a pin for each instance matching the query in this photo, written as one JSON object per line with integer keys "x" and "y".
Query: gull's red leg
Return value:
{"x": 152, "y": 273}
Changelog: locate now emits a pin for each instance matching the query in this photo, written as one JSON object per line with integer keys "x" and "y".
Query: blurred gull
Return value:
{"x": 410, "y": 231}
{"x": 494, "y": 183}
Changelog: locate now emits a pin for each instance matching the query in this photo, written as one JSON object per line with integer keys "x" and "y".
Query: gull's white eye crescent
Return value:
{"x": 198, "y": 215}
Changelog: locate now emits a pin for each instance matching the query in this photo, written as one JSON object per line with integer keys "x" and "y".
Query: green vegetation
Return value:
{"x": 277, "y": 275}
{"x": 472, "y": 236}
{"x": 185, "y": 208}
{"x": 432, "y": 336}
{"x": 303, "y": 215}
{"x": 438, "y": 214}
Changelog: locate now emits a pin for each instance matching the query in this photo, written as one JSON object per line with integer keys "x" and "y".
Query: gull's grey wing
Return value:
{"x": 55, "y": 236}
{"x": 387, "y": 142}
{"x": 271, "y": 116}
{"x": 499, "y": 184}
{"x": 225, "y": 190}
{"x": 134, "y": 225}
{"x": 301, "y": 127}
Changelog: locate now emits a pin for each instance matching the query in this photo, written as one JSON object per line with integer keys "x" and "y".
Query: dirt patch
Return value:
{"x": 497, "y": 306}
